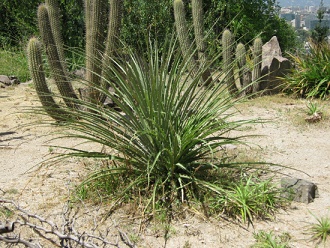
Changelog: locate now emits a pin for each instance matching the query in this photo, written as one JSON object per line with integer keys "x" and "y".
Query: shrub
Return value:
{"x": 310, "y": 76}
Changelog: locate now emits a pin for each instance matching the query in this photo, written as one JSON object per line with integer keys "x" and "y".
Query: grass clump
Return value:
{"x": 320, "y": 230}
{"x": 269, "y": 240}
{"x": 310, "y": 76}
{"x": 249, "y": 197}
{"x": 14, "y": 63}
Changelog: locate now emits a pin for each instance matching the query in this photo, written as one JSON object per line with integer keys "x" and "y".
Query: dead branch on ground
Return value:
{"x": 65, "y": 236}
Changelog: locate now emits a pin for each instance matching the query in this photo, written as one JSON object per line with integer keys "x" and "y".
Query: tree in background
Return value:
{"x": 320, "y": 32}
{"x": 250, "y": 18}
{"x": 154, "y": 19}
{"x": 18, "y": 21}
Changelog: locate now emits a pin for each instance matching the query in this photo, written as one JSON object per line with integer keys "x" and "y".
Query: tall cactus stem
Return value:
{"x": 112, "y": 41}
{"x": 227, "y": 53}
{"x": 198, "y": 21}
{"x": 34, "y": 52}
{"x": 95, "y": 26}
{"x": 243, "y": 70}
{"x": 183, "y": 35}
{"x": 257, "y": 59}
{"x": 54, "y": 18}
{"x": 57, "y": 70}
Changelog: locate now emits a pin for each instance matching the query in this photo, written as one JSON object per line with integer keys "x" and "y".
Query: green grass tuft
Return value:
{"x": 14, "y": 63}
{"x": 320, "y": 230}
{"x": 269, "y": 240}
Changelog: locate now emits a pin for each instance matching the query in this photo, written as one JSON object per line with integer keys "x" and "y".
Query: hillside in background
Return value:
{"x": 286, "y": 3}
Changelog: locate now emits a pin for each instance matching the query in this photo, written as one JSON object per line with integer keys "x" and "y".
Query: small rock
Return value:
{"x": 8, "y": 80}
{"x": 316, "y": 117}
{"x": 80, "y": 73}
{"x": 299, "y": 190}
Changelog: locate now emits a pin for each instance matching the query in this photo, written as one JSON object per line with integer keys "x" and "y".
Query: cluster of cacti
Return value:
{"x": 97, "y": 58}
{"x": 247, "y": 75}
{"x": 187, "y": 49}
{"x": 186, "y": 45}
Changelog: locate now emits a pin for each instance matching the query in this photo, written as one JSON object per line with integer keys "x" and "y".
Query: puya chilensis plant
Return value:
{"x": 49, "y": 26}
{"x": 186, "y": 44}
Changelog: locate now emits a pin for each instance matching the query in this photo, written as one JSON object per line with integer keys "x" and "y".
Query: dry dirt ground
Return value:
{"x": 286, "y": 140}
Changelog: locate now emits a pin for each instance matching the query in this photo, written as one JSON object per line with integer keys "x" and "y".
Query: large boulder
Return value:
{"x": 274, "y": 66}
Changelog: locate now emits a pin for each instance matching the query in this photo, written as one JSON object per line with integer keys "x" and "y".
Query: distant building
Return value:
{"x": 312, "y": 9}
{"x": 288, "y": 16}
{"x": 297, "y": 21}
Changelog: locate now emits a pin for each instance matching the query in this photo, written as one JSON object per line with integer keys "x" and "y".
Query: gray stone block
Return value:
{"x": 299, "y": 190}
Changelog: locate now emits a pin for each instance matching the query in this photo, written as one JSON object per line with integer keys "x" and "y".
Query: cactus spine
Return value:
{"x": 197, "y": 13}
{"x": 38, "y": 77}
{"x": 58, "y": 71}
{"x": 257, "y": 59}
{"x": 227, "y": 53}
{"x": 183, "y": 35}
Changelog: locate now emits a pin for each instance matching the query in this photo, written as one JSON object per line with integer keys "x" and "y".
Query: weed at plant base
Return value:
{"x": 270, "y": 240}
{"x": 249, "y": 198}
{"x": 314, "y": 112}
{"x": 320, "y": 230}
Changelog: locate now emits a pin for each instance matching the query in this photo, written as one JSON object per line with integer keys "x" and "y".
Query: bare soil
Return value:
{"x": 286, "y": 139}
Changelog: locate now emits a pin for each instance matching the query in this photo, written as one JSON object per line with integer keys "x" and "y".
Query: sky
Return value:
{"x": 285, "y": 3}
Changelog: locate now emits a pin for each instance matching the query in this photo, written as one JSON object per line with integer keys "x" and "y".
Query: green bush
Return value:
{"x": 310, "y": 76}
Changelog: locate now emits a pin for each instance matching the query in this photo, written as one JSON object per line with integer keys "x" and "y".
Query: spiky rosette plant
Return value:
{"x": 163, "y": 144}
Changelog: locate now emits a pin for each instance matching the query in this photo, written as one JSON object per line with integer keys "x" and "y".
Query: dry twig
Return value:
{"x": 66, "y": 236}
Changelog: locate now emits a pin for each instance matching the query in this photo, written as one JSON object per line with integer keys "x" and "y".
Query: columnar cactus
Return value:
{"x": 257, "y": 59}
{"x": 34, "y": 52}
{"x": 54, "y": 14}
{"x": 198, "y": 21}
{"x": 96, "y": 58}
{"x": 183, "y": 35}
{"x": 114, "y": 26}
{"x": 227, "y": 53}
{"x": 243, "y": 70}
{"x": 56, "y": 65}
{"x": 95, "y": 24}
